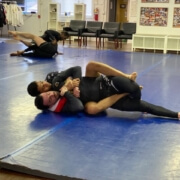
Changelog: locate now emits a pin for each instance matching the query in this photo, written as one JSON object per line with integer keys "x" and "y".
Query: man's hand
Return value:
{"x": 63, "y": 90}
{"x": 69, "y": 84}
{"x": 54, "y": 42}
{"x": 76, "y": 92}
{"x": 76, "y": 82}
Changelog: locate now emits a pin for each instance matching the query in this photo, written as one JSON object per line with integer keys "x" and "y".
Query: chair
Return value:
{"x": 91, "y": 30}
{"x": 74, "y": 29}
{"x": 128, "y": 29}
{"x": 110, "y": 30}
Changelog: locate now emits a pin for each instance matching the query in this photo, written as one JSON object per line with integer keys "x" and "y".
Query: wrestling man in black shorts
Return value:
{"x": 44, "y": 46}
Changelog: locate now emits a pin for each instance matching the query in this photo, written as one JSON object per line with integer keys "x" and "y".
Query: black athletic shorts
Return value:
{"x": 48, "y": 47}
{"x": 45, "y": 50}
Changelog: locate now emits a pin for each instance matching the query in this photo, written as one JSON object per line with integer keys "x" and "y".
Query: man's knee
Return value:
{"x": 91, "y": 65}
{"x": 136, "y": 94}
{"x": 91, "y": 69}
{"x": 91, "y": 108}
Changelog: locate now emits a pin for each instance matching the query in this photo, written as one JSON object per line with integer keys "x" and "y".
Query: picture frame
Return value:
{"x": 155, "y": 1}
{"x": 176, "y": 18}
{"x": 154, "y": 16}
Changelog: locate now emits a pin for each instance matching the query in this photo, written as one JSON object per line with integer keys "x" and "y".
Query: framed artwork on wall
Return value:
{"x": 176, "y": 18}
{"x": 177, "y": 1}
{"x": 150, "y": 16}
{"x": 155, "y": 1}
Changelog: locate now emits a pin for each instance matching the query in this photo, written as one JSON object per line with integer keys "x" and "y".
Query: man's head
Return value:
{"x": 46, "y": 100}
{"x": 64, "y": 35}
{"x": 37, "y": 87}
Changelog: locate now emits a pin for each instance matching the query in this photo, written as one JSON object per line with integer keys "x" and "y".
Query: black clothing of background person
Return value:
{"x": 47, "y": 49}
{"x": 2, "y": 16}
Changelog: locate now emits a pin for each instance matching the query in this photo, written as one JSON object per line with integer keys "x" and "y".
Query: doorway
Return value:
{"x": 118, "y": 10}
{"x": 121, "y": 10}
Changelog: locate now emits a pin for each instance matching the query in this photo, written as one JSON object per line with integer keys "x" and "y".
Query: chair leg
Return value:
{"x": 83, "y": 41}
{"x": 99, "y": 42}
{"x": 120, "y": 42}
{"x": 86, "y": 41}
{"x": 1, "y": 29}
{"x": 70, "y": 40}
{"x": 78, "y": 41}
{"x": 115, "y": 43}
{"x": 103, "y": 42}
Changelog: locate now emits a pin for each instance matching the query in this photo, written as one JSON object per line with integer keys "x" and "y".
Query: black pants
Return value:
{"x": 125, "y": 85}
{"x": 129, "y": 104}
{"x": 118, "y": 85}
{"x": 45, "y": 50}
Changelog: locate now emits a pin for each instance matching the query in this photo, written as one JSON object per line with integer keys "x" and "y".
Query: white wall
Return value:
{"x": 103, "y": 6}
{"x": 132, "y": 11}
{"x": 31, "y": 24}
{"x": 169, "y": 30}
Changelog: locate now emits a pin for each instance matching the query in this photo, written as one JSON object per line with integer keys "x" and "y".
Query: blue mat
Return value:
{"x": 113, "y": 145}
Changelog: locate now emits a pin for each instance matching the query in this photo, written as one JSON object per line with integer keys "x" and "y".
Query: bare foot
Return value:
{"x": 178, "y": 115}
{"x": 133, "y": 76}
{"x": 14, "y": 54}
{"x": 18, "y": 53}
{"x": 14, "y": 33}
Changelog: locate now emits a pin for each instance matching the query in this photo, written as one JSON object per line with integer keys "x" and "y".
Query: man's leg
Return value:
{"x": 38, "y": 40}
{"x": 123, "y": 85}
{"x": 129, "y": 104}
{"x": 93, "y": 69}
{"x": 102, "y": 105}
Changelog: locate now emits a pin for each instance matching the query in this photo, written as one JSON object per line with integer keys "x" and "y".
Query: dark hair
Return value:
{"x": 33, "y": 89}
{"x": 38, "y": 102}
{"x": 64, "y": 35}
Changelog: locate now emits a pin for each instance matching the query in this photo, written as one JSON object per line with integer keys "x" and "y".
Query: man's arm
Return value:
{"x": 59, "y": 80}
{"x": 94, "y": 108}
{"x": 74, "y": 72}
{"x": 73, "y": 104}
{"x": 49, "y": 36}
